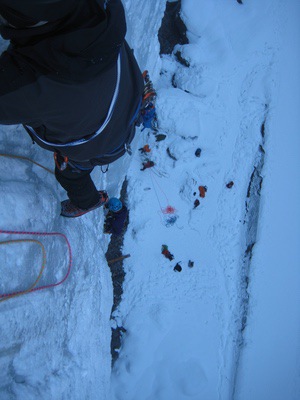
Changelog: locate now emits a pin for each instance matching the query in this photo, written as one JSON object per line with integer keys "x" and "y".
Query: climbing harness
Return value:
{"x": 61, "y": 162}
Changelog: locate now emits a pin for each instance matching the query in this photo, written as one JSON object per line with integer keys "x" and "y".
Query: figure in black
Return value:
{"x": 69, "y": 77}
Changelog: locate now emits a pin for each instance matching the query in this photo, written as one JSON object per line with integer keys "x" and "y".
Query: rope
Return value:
{"x": 155, "y": 181}
{"x": 33, "y": 287}
{"x": 9, "y": 296}
{"x": 26, "y": 159}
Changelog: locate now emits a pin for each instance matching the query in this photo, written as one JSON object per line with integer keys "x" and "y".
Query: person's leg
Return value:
{"x": 79, "y": 187}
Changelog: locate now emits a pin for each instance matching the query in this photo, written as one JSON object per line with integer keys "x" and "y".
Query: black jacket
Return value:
{"x": 61, "y": 78}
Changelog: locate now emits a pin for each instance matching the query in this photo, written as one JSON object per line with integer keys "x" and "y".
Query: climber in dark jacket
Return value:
{"x": 116, "y": 217}
{"x": 71, "y": 79}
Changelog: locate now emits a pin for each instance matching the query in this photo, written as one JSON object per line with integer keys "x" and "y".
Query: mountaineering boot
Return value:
{"x": 69, "y": 210}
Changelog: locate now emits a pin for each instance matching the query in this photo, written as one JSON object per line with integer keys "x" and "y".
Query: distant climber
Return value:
{"x": 165, "y": 251}
{"x": 145, "y": 149}
{"x": 116, "y": 216}
{"x": 147, "y": 164}
{"x": 202, "y": 191}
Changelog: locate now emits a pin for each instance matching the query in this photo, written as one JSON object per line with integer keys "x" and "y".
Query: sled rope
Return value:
{"x": 33, "y": 287}
{"x": 26, "y": 159}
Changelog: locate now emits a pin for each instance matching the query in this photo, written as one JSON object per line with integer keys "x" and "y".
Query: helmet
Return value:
{"x": 23, "y": 13}
{"x": 114, "y": 204}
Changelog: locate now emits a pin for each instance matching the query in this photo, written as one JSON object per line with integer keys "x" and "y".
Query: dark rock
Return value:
{"x": 160, "y": 137}
{"x": 262, "y": 129}
{"x": 174, "y": 83}
{"x": 172, "y": 30}
{"x": 116, "y": 338}
{"x": 114, "y": 250}
{"x": 181, "y": 60}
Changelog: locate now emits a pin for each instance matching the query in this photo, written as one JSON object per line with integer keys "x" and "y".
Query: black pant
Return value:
{"x": 79, "y": 186}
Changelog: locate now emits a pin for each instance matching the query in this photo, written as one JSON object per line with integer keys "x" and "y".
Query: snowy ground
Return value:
{"x": 194, "y": 334}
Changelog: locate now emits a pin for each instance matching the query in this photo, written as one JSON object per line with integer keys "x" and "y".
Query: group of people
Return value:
{"x": 70, "y": 78}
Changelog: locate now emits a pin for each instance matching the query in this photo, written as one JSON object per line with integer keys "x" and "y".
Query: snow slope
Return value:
{"x": 270, "y": 366}
{"x": 184, "y": 330}
{"x": 193, "y": 334}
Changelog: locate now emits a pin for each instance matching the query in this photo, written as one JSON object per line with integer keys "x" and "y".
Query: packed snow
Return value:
{"x": 227, "y": 326}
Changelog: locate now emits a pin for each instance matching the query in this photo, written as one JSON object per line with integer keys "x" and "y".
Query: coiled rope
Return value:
{"x": 33, "y": 287}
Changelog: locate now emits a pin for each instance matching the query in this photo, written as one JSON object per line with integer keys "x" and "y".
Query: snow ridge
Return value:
{"x": 252, "y": 205}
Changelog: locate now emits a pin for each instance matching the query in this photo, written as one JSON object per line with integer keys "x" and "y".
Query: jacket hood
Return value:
{"x": 22, "y": 13}
{"x": 76, "y": 47}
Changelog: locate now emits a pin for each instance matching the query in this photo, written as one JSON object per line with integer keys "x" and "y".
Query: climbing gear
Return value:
{"x": 61, "y": 162}
{"x": 168, "y": 210}
{"x": 7, "y": 232}
{"x": 170, "y": 221}
{"x": 114, "y": 204}
{"x": 202, "y": 191}
{"x": 145, "y": 149}
{"x": 69, "y": 210}
{"x": 148, "y": 111}
{"x": 17, "y": 241}
{"x": 33, "y": 287}
{"x": 177, "y": 268}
